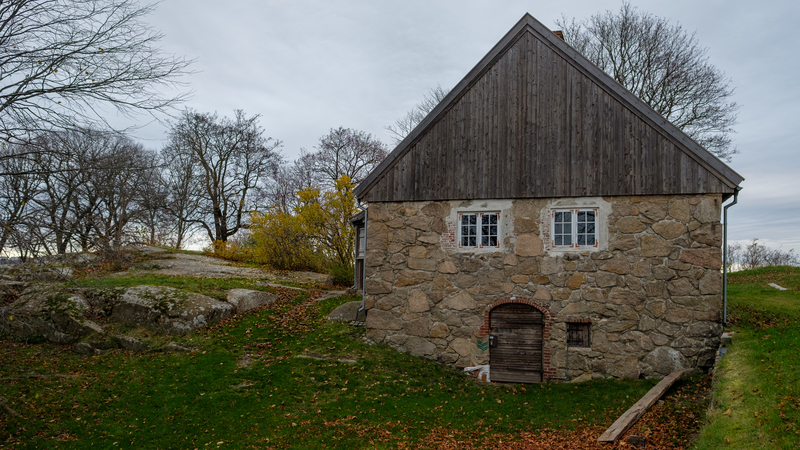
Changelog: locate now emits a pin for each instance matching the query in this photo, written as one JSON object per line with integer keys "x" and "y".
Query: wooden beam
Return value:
{"x": 625, "y": 421}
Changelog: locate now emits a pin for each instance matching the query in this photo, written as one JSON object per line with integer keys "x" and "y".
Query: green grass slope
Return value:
{"x": 283, "y": 377}
{"x": 757, "y": 386}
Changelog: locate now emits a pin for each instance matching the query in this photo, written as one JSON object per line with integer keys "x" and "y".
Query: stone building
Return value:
{"x": 545, "y": 221}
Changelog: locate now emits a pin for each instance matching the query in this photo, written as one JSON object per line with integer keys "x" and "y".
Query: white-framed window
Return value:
{"x": 574, "y": 228}
{"x": 479, "y": 230}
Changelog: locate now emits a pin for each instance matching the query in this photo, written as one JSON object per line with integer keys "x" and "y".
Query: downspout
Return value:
{"x": 725, "y": 257}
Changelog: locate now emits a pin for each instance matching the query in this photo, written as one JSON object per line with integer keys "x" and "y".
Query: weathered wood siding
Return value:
{"x": 533, "y": 125}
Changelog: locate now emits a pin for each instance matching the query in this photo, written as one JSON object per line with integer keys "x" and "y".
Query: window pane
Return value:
{"x": 586, "y": 228}
{"x": 581, "y": 216}
{"x": 488, "y": 229}
{"x": 567, "y": 239}
{"x": 562, "y": 224}
{"x": 469, "y": 230}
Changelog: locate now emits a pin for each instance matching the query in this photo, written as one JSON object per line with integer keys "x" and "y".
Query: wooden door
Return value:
{"x": 515, "y": 343}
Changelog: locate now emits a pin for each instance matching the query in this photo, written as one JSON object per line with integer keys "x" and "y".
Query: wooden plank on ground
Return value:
{"x": 625, "y": 421}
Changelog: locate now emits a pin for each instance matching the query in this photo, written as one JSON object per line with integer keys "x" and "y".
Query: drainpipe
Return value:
{"x": 725, "y": 258}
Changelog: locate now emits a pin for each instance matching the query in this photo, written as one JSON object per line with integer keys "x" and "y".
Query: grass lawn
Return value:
{"x": 757, "y": 391}
{"x": 282, "y": 377}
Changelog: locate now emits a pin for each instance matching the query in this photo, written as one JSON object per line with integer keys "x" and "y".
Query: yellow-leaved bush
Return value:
{"x": 281, "y": 241}
{"x": 317, "y": 236}
{"x": 326, "y": 217}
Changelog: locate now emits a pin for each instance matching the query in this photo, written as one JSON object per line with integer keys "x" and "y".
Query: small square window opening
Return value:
{"x": 479, "y": 230}
{"x": 578, "y": 334}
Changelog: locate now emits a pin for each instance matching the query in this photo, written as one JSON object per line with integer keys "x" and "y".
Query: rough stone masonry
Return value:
{"x": 651, "y": 289}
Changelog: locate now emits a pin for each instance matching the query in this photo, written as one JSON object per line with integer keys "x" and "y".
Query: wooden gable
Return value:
{"x": 536, "y": 119}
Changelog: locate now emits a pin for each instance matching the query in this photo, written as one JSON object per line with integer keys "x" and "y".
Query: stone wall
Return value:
{"x": 651, "y": 289}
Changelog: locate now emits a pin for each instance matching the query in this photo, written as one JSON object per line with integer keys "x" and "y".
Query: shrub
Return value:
{"x": 326, "y": 218}
{"x": 342, "y": 275}
{"x": 282, "y": 242}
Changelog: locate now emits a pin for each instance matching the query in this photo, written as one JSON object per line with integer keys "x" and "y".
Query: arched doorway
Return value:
{"x": 515, "y": 343}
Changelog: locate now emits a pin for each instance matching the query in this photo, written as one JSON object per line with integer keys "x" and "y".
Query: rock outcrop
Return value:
{"x": 247, "y": 299}
{"x": 348, "y": 312}
{"x": 51, "y": 313}
{"x": 169, "y": 310}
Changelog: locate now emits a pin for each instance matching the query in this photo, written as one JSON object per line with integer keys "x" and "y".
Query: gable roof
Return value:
{"x": 495, "y": 121}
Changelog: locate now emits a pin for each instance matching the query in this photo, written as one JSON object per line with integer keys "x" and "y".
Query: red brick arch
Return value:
{"x": 547, "y": 351}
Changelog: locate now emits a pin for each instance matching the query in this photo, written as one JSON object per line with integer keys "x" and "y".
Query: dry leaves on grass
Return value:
{"x": 447, "y": 439}
{"x": 671, "y": 425}
{"x": 743, "y": 315}
{"x": 763, "y": 278}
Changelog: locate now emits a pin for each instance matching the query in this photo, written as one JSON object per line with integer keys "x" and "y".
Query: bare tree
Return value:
{"x": 19, "y": 184}
{"x": 62, "y": 59}
{"x": 120, "y": 182}
{"x": 343, "y": 151}
{"x": 156, "y": 226}
{"x": 181, "y": 175}
{"x": 64, "y": 161}
{"x": 234, "y": 160}
{"x": 404, "y": 125}
{"x": 664, "y": 66}
{"x": 288, "y": 180}
{"x": 90, "y": 189}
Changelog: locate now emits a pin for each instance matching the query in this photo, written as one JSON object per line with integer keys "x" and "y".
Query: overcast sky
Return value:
{"x": 308, "y": 66}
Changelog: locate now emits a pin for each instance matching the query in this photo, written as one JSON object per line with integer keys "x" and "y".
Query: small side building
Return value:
{"x": 547, "y": 222}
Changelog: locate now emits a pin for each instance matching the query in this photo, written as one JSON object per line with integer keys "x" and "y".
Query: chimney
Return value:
{"x": 559, "y": 33}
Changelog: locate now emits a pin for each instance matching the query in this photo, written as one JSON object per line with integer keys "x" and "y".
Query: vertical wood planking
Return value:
{"x": 544, "y": 147}
{"x": 532, "y": 177}
{"x": 532, "y": 125}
